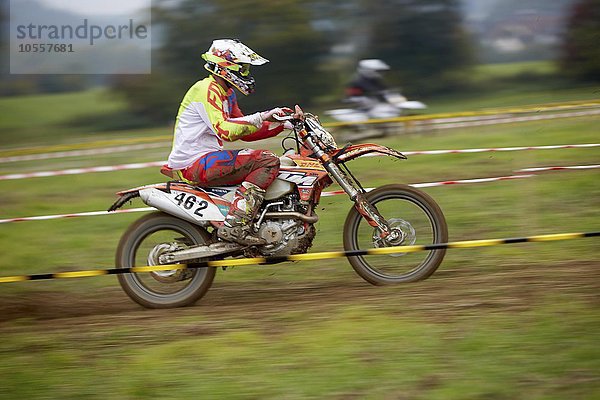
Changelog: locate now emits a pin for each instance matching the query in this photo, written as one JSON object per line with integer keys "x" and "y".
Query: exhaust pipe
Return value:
{"x": 200, "y": 252}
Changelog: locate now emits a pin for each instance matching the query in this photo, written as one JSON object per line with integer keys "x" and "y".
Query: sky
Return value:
{"x": 98, "y": 7}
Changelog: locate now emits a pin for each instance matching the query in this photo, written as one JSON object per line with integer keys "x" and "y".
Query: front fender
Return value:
{"x": 354, "y": 151}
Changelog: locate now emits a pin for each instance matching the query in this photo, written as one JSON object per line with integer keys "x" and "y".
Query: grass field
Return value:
{"x": 505, "y": 322}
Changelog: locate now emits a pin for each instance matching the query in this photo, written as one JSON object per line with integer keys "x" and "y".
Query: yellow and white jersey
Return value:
{"x": 208, "y": 115}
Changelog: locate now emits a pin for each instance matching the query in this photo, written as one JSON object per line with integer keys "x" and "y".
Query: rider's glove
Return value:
{"x": 288, "y": 125}
{"x": 268, "y": 115}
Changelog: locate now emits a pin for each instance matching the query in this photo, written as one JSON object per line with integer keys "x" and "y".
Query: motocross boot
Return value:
{"x": 237, "y": 226}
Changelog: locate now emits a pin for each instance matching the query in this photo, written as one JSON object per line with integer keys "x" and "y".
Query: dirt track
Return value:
{"x": 447, "y": 294}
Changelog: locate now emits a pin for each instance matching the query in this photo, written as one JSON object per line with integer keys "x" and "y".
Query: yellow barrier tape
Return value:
{"x": 395, "y": 250}
{"x": 157, "y": 268}
{"x": 11, "y": 279}
{"x": 316, "y": 256}
{"x": 475, "y": 243}
{"x": 237, "y": 263}
{"x": 480, "y": 113}
{"x": 558, "y": 236}
{"x": 304, "y": 257}
{"x": 80, "y": 274}
{"x": 485, "y": 112}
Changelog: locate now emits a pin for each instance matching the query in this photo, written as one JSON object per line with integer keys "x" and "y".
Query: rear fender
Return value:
{"x": 191, "y": 205}
{"x": 130, "y": 194}
{"x": 202, "y": 205}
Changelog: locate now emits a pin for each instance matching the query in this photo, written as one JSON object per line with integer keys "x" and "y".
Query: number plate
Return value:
{"x": 195, "y": 206}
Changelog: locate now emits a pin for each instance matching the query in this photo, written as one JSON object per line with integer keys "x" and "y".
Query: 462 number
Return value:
{"x": 189, "y": 201}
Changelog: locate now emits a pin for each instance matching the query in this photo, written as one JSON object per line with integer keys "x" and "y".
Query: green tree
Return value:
{"x": 581, "y": 52}
{"x": 313, "y": 46}
{"x": 278, "y": 30}
{"x": 423, "y": 41}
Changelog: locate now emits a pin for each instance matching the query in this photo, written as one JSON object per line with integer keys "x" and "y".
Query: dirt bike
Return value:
{"x": 184, "y": 229}
{"x": 388, "y": 104}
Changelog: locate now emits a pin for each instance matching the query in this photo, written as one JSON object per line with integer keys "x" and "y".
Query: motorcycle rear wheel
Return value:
{"x": 421, "y": 222}
{"x": 141, "y": 245}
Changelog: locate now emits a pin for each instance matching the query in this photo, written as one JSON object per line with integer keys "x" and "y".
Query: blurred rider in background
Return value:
{"x": 368, "y": 86}
{"x": 208, "y": 115}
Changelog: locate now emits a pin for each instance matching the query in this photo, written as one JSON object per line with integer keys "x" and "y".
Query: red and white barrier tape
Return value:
{"x": 74, "y": 215}
{"x": 499, "y": 149}
{"x": 77, "y": 171}
{"x": 444, "y": 183}
{"x": 505, "y": 120}
{"x": 109, "y": 168}
{"x": 324, "y": 194}
{"x": 469, "y": 181}
{"x": 559, "y": 168}
{"x": 80, "y": 153}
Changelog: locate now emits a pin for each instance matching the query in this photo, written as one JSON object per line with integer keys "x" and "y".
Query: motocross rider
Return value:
{"x": 368, "y": 86}
{"x": 208, "y": 115}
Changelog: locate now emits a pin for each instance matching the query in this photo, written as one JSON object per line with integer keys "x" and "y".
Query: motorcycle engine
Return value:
{"x": 285, "y": 236}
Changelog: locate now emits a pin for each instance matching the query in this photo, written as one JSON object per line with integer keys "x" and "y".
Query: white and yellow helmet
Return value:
{"x": 231, "y": 59}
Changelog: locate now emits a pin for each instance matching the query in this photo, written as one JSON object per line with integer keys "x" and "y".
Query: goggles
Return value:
{"x": 243, "y": 69}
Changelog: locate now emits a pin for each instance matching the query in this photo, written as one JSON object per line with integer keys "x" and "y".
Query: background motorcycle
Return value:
{"x": 184, "y": 230}
{"x": 388, "y": 104}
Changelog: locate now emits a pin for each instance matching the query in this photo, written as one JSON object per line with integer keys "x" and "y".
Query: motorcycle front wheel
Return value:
{"x": 416, "y": 219}
{"x": 143, "y": 243}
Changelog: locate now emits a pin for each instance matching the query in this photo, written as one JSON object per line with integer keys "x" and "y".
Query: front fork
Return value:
{"x": 371, "y": 214}
{"x": 366, "y": 209}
